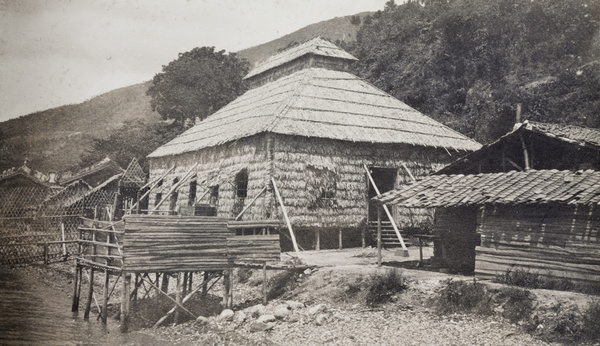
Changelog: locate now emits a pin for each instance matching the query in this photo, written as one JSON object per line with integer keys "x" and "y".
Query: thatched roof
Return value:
{"x": 317, "y": 102}
{"x": 530, "y": 187}
{"x": 316, "y": 46}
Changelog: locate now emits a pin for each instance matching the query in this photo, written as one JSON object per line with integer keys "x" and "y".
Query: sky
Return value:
{"x": 57, "y": 52}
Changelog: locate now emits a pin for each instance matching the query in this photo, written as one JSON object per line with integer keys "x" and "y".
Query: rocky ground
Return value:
{"x": 327, "y": 305}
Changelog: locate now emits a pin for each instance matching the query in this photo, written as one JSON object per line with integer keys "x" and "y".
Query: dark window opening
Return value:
{"x": 241, "y": 184}
{"x": 158, "y": 198}
{"x": 214, "y": 195}
{"x": 174, "y": 196}
{"x": 160, "y": 182}
{"x": 385, "y": 179}
{"x": 192, "y": 193}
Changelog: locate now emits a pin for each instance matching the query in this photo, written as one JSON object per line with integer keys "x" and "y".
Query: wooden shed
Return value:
{"x": 310, "y": 126}
{"x": 539, "y": 221}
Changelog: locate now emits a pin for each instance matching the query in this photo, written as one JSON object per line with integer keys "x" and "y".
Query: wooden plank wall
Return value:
{"x": 254, "y": 248}
{"x": 154, "y": 243}
{"x": 162, "y": 243}
{"x": 557, "y": 240}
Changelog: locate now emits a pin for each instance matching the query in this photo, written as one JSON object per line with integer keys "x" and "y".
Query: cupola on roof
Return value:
{"x": 316, "y": 52}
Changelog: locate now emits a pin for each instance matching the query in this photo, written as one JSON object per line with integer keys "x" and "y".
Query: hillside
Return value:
{"x": 336, "y": 29}
{"x": 55, "y": 139}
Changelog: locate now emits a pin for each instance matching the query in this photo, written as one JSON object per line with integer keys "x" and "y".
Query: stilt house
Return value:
{"x": 310, "y": 126}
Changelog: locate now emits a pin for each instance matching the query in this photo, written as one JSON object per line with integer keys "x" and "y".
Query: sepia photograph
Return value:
{"x": 278, "y": 172}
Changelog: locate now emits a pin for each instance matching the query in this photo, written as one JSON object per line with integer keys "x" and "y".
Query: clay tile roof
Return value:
{"x": 530, "y": 187}
{"x": 582, "y": 135}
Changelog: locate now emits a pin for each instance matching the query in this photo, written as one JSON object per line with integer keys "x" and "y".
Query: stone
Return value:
{"x": 307, "y": 271}
{"x": 257, "y": 310}
{"x": 226, "y": 315}
{"x": 294, "y": 305}
{"x": 201, "y": 320}
{"x": 281, "y": 311}
{"x": 266, "y": 319}
{"x": 317, "y": 309}
{"x": 261, "y": 327}
{"x": 321, "y": 319}
{"x": 239, "y": 317}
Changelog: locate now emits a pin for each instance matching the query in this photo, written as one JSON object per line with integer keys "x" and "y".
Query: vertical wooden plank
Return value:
{"x": 105, "y": 296}
{"x": 379, "y": 236}
{"x": 318, "y": 240}
{"x": 75, "y": 303}
{"x": 125, "y": 301}
{"x": 226, "y": 283}
{"x": 264, "y": 288}
{"x": 363, "y": 237}
{"x": 177, "y": 298}
{"x": 340, "y": 239}
{"x": 90, "y": 295}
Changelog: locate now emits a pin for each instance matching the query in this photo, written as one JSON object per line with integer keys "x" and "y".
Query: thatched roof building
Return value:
{"x": 537, "y": 146}
{"x": 311, "y": 126}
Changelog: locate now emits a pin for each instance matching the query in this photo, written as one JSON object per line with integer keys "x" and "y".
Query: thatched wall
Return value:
{"x": 551, "y": 239}
{"x": 307, "y": 167}
{"x": 218, "y": 166}
{"x": 322, "y": 181}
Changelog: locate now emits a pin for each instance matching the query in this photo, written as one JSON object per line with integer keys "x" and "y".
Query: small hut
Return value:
{"x": 538, "y": 221}
{"x": 310, "y": 126}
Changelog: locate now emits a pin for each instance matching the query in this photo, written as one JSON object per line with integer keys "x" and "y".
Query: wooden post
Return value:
{"x": 363, "y": 236}
{"x": 264, "y": 288}
{"x": 340, "y": 238}
{"x": 125, "y": 301}
{"x": 177, "y": 298}
{"x": 226, "y": 283}
{"x": 230, "y": 299}
{"x": 165, "y": 283}
{"x": 64, "y": 246}
{"x": 90, "y": 295}
{"x": 379, "y": 236}
{"x": 75, "y": 304}
{"x": 105, "y": 296}
{"x": 204, "y": 284}
{"x": 190, "y": 277}
{"x": 525, "y": 154}
{"x": 318, "y": 241}
{"x": 185, "y": 284}
{"x": 387, "y": 211}
{"x": 46, "y": 261}
{"x": 287, "y": 219}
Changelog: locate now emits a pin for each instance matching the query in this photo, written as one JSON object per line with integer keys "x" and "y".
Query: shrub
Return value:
{"x": 527, "y": 279}
{"x": 384, "y": 286}
{"x": 281, "y": 283}
{"x": 591, "y": 321}
{"x": 461, "y": 296}
{"x": 518, "y": 303}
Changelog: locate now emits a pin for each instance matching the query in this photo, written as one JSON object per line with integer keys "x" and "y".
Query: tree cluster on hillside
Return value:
{"x": 197, "y": 84}
{"x": 468, "y": 63}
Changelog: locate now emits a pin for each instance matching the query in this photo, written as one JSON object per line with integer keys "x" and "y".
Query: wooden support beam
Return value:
{"x": 165, "y": 283}
{"x": 412, "y": 177}
{"x": 525, "y": 153}
{"x": 265, "y": 282}
{"x": 105, "y": 296}
{"x": 171, "y": 299}
{"x": 90, "y": 295}
{"x": 318, "y": 239}
{"x": 340, "y": 239}
{"x": 125, "y": 297}
{"x": 177, "y": 298}
{"x": 75, "y": 303}
{"x": 387, "y": 211}
{"x": 187, "y": 297}
{"x": 513, "y": 164}
{"x": 287, "y": 219}
{"x": 250, "y": 204}
{"x": 379, "y": 236}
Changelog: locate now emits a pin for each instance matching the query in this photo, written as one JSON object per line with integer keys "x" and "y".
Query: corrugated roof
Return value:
{"x": 316, "y": 46}
{"x": 530, "y": 187}
{"x": 322, "y": 103}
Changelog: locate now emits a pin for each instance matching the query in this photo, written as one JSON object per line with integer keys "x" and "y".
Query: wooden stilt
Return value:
{"x": 190, "y": 280}
{"x": 125, "y": 301}
{"x": 340, "y": 239}
{"x": 264, "y": 288}
{"x": 171, "y": 299}
{"x": 226, "y": 284}
{"x": 205, "y": 285}
{"x": 90, "y": 295}
{"x": 79, "y": 282}
{"x": 318, "y": 240}
{"x": 165, "y": 283}
{"x": 185, "y": 284}
{"x": 363, "y": 238}
{"x": 178, "y": 297}
{"x": 105, "y": 296}
{"x": 75, "y": 304}
{"x": 379, "y": 236}
{"x": 230, "y": 299}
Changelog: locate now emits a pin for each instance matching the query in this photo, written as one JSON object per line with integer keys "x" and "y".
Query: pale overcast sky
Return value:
{"x": 56, "y": 52}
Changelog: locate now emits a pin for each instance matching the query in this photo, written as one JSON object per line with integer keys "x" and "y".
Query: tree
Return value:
{"x": 197, "y": 84}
